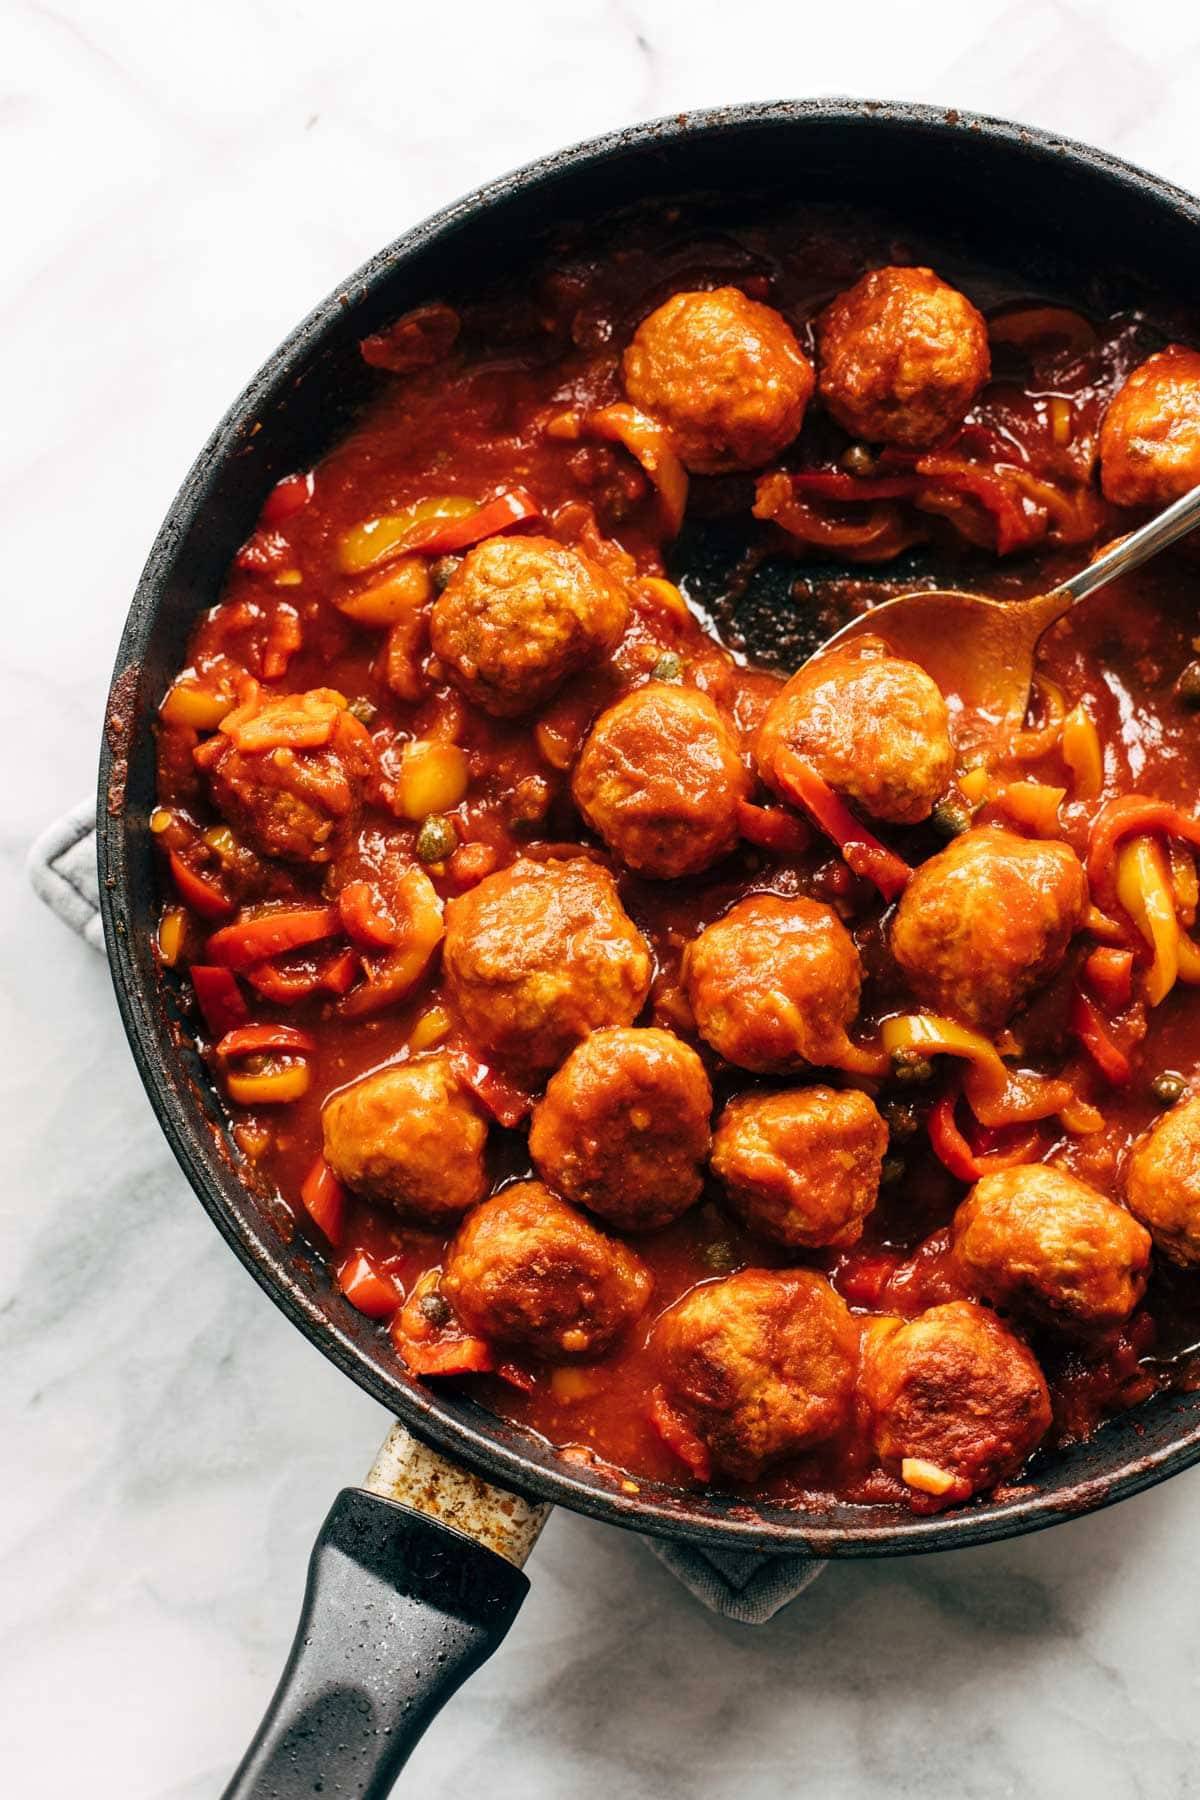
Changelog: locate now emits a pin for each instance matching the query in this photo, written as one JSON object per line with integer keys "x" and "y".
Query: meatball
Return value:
{"x": 873, "y": 726}
{"x": 1038, "y": 1241}
{"x": 754, "y": 1368}
{"x": 902, "y": 356}
{"x": 540, "y": 954}
{"x": 774, "y": 984}
{"x": 1162, "y": 1182}
{"x": 986, "y": 921}
{"x": 410, "y": 1136}
{"x": 623, "y": 1128}
{"x": 659, "y": 779}
{"x": 528, "y": 1271}
{"x": 724, "y": 374}
{"x": 1150, "y": 439}
{"x": 953, "y": 1389}
{"x": 518, "y": 616}
{"x": 288, "y": 774}
{"x": 802, "y": 1167}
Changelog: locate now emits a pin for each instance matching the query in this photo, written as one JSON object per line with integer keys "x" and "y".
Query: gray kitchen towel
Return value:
{"x": 743, "y": 1585}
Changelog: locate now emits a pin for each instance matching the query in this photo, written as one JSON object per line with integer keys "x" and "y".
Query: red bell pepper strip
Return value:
{"x": 287, "y": 497}
{"x": 220, "y": 999}
{"x": 1092, "y": 1030}
{"x": 507, "y": 1103}
{"x": 283, "y": 986}
{"x": 325, "y": 1201}
{"x": 831, "y": 484}
{"x": 1129, "y": 816}
{"x": 255, "y": 940}
{"x": 773, "y": 829}
{"x": 861, "y": 1278}
{"x": 203, "y": 896}
{"x": 257, "y": 1040}
{"x": 1013, "y": 526}
{"x": 1109, "y": 974}
{"x": 367, "y": 1287}
{"x": 441, "y": 537}
{"x": 446, "y": 1356}
{"x": 861, "y": 849}
{"x": 955, "y": 1153}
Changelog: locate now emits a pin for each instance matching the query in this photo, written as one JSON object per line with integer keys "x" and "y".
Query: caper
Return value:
{"x": 436, "y": 840}
{"x": 669, "y": 667}
{"x": 364, "y": 710}
{"x": 892, "y": 1171}
{"x": 902, "y": 1120}
{"x": 436, "y": 1308}
{"x": 911, "y": 1068}
{"x": 1168, "y": 1087}
{"x": 951, "y": 817}
{"x": 718, "y": 1257}
{"x": 441, "y": 571}
{"x": 1188, "y": 685}
{"x": 858, "y": 460}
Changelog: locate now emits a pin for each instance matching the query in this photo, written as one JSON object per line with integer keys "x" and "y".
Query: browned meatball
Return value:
{"x": 954, "y": 1390}
{"x": 411, "y": 1136}
{"x": 774, "y": 984}
{"x": 540, "y": 954}
{"x": 724, "y": 374}
{"x": 754, "y": 1368}
{"x": 872, "y": 725}
{"x": 985, "y": 922}
{"x": 1162, "y": 1182}
{"x": 902, "y": 356}
{"x": 1038, "y": 1241}
{"x": 802, "y": 1167}
{"x": 527, "y": 1270}
{"x": 519, "y": 615}
{"x": 623, "y": 1127}
{"x": 1150, "y": 439}
{"x": 659, "y": 779}
{"x": 288, "y": 774}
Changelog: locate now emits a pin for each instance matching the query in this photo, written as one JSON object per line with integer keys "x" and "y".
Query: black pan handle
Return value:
{"x": 399, "y": 1609}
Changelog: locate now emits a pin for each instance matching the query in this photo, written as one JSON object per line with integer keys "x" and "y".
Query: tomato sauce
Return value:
{"x": 467, "y": 419}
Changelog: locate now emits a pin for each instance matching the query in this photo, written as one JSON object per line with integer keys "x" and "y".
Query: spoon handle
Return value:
{"x": 1132, "y": 551}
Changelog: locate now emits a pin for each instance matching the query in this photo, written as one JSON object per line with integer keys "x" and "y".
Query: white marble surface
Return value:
{"x": 178, "y": 185}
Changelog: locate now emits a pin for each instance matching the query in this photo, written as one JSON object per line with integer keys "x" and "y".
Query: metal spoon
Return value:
{"x": 982, "y": 652}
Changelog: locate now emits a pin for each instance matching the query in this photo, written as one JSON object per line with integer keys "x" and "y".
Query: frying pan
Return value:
{"x": 415, "y": 1577}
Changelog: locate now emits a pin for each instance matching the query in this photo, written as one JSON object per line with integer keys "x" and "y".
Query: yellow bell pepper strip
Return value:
{"x": 219, "y": 998}
{"x": 1091, "y": 1028}
{"x": 863, "y": 853}
{"x": 404, "y": 590}
{"x": 1144, "y": 890}
{"x": 444, "y": 537}
{"x": 1082, "y": 753}
{"x": 192, "y": 702}
{"x": 199, "y": 892}
{"x": 380, "y": 540}
{"x": 367, "y": 1287}
{"x": 1031, "y": 804}
{"x": 172, "y": 934}
{"x": 325, "y": 1200}
{"x": 997, "y": 1095}
{"x": 268, "y": 1087}
{"x": 649, "y": 443}
{"x": 414, "y": 904}
{"x": 1131, "y": 815}
{"x": 250, "y": 941}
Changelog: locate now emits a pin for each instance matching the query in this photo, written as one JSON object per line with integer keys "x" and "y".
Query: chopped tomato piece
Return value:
{"x": 257, "y": 1040}
{"x": 447, "y": 1356}
{"x": 367, "y": 1287}
{"x": 1109, "y": 974}
{"x": 199, "y": 892}
{"x": 325, "y": 1201}
{"x": 286, "y": 498}
{"x": 255, "y": 940}
{"x": 219, "y": 998}
{"x": 863, "y": 1274}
